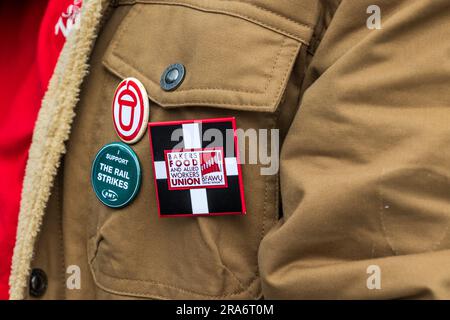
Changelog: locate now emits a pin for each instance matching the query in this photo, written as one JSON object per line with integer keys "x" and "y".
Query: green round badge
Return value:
{"x": 116, "y": 175}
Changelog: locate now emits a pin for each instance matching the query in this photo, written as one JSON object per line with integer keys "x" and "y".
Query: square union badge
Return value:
{"x": 196, "y": 168}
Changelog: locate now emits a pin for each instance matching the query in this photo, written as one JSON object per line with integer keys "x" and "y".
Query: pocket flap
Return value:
{"x": 230, "y": 62}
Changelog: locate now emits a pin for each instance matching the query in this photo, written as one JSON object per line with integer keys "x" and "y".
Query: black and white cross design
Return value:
{"x": 195, "y": 135}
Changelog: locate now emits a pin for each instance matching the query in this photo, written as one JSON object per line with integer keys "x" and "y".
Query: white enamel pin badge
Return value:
{"x": 196, "y": 168}
{"x": 130, "y": 110}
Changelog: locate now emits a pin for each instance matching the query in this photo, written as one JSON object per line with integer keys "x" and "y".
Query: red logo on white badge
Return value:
{"x": 130, "y": 110}
{"x": 195, "y": 168}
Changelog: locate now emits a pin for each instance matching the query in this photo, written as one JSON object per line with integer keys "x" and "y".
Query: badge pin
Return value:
{"x": 195, "y": 176}
{"x": 116, "y": 175}
{"x": 130, "y": 110}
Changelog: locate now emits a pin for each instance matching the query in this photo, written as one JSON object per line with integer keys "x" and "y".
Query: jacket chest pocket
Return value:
{"x": 236, "y": 65}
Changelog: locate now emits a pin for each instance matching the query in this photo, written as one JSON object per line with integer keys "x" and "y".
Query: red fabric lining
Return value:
{"x": 28, "y": 55}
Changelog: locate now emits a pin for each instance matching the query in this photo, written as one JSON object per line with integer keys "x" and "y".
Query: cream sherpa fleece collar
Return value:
{"x": 50, "y": 134}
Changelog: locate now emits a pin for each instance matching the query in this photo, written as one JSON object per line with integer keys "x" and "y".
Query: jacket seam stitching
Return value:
{"x": 221, "y": 103}
{"x": 61, "y": 237}
{"x": 160, "y": 284}
{"x": 277, "y": 14}
{"x": 231, "y": 13}
{"x": 253, "y": 5}
{"x": 137, "y": 68}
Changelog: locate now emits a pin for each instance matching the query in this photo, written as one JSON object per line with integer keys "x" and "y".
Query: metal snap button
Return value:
{"x": 38, "y": 283}
{"x": 172, "y": 77}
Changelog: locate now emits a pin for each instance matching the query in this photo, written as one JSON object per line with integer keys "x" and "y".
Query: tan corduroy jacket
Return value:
{"x": 364, "y": 181}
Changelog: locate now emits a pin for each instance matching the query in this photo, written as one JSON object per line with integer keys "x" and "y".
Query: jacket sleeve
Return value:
{"x": 365, "y": 167}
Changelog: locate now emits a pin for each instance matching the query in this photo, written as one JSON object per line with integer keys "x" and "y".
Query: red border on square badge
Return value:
{"x": 218, "y": 171}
